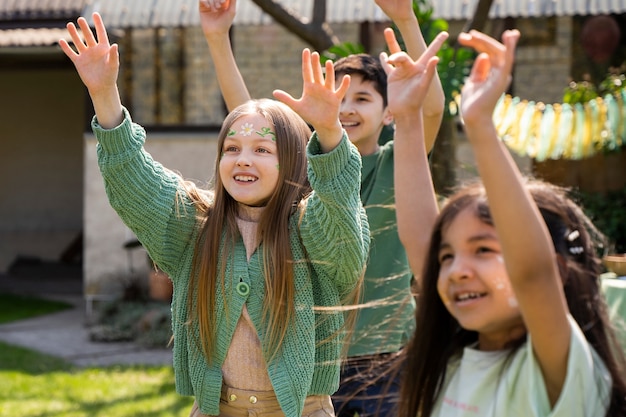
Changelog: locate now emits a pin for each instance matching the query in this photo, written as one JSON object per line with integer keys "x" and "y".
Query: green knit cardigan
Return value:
{"x": 332, "y": 237}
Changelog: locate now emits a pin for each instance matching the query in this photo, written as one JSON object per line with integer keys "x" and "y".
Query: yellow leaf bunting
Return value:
{"x": 561, "y": 131}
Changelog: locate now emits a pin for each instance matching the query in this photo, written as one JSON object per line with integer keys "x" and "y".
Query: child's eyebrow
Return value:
{"x": 483, "y": 236}
{"x": 473, "y": 239}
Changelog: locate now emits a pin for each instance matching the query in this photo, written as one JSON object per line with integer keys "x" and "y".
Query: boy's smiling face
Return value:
{"x": 363, "y": 114}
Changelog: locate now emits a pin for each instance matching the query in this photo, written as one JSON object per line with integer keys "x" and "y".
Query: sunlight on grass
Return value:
{"x": 36, "y": 385}
{"x": 112, "y": 392}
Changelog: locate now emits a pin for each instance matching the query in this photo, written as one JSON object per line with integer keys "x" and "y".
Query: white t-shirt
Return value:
{"x": 485, "y": 384}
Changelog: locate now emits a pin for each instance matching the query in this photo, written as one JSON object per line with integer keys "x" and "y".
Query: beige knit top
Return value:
{"x": 245, "y": 367}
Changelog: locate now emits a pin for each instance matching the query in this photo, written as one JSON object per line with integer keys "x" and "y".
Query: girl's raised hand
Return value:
{"x": 320, "y": 101}
{"x": 490, "y": 75}
{"x": 408, "y": 81}
{"x": 217, "y": 16}
{"x": 96, "y": 61}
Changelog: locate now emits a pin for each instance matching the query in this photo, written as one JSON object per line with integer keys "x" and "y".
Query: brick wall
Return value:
{"x": 543, "y": 72}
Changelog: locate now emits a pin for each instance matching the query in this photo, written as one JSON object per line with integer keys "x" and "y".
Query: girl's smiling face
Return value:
{"x": 248, "y": 165}
{"x": 473, "y": 282}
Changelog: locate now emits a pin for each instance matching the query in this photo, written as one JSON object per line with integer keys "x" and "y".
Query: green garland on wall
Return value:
{"x": 562, "y": 131}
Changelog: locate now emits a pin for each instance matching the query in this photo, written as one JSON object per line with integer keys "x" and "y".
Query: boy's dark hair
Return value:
{"x": 368, "y": 67}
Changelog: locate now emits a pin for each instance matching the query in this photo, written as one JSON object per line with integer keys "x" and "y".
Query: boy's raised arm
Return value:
{"x": 401, "y": 13}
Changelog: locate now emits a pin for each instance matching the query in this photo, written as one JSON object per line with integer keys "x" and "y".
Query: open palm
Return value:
{"x": 320, "y": 101}
{"x": 96, "y": 61}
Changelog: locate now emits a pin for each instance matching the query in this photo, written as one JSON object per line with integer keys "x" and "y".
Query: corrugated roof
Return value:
{"x": 11, "y": 10}
{"x": 19, "y": 15}
{"x": 150, "y": 13}
{"x": 32, "y": 37}
{"x": 36, "y": 22}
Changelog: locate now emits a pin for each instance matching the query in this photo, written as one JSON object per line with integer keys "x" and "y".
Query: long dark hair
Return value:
{"x": 439, "y": 337}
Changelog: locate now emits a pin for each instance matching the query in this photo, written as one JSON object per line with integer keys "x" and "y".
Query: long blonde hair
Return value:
{"x": 219, "y": 230}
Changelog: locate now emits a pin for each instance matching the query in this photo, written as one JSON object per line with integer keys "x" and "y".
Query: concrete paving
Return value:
{"x": 65, "y": 334}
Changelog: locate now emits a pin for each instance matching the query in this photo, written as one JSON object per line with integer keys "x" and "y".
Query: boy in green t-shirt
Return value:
{"x": 386, "y": 317}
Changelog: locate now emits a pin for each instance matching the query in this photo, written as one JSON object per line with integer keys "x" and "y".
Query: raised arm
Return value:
{"x": 217, "y": 18}
{"x": 401, "y": 13}
{"x": 528, "y": 251}
{"x": 408, "y": 82}
{"x": 97, "y": 63}
{"x": 320, "y": 101}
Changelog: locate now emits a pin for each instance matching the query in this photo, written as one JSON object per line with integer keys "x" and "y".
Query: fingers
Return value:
{"x": 501, "y": 55}
{"x": 284, "y": 97}
{"x": 481, "y": 68}
{"x": 343, "y": 87}
{"x": 114, "y": 55}
{"x": 76, "y": 40}
{"x": 216, "y": 5}
{"x": 400, "y": 59}
{"x": 90, "y": 40}
{"x": 307, "y": 70}
{"x": 330, "y": 74}
{"x": 396, "y": 57}
{"x": 312, "y": 72}
{"x": 392, "y": 42}
{"x": 101, "y": 31}
{"x": 87, "y": 40}
{"x": 484, "y": 43}
{"x": 318, "y": 74}
{"x": 431, "y": 70}
{"x": 65, "y": 47}
{"x": 510, "y": 38}
{"x": 384, "y": 58}
{"x": 434, "y": 47}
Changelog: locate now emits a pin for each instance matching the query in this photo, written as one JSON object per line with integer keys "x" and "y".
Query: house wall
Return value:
{"x": 269, "y": 58}
{"x": 41, "y": 167}
{"x": 543, "y": 72}
{"x": 108, "y": 266}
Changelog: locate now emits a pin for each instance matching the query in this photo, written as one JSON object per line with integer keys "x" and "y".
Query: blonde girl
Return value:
{"x": 261, "y": 261}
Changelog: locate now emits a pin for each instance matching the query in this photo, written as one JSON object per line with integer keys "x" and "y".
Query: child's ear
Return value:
{"x": 387, "y": 117}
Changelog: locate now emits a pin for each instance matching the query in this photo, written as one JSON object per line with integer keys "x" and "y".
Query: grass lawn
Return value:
{"x": 18, "y": 307}
{"x": 35, "y": 385}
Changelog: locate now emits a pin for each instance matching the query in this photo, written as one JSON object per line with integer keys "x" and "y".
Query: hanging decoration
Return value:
{"x": 562, "y": 131}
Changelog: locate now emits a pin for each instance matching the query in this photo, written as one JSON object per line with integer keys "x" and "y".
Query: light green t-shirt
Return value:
{"x": 386, "y": 320}
{"x": 484, "y": 384}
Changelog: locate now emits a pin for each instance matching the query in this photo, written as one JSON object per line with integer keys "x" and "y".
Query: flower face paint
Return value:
{"x": 248, "y": 166}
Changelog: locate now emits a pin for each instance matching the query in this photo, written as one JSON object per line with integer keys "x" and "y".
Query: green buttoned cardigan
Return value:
{"x": 332, "y": 236}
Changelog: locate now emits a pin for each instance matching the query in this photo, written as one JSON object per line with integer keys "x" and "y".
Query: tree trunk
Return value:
{"x": 317, "y": 33}
{"x": 443, "y": 157}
